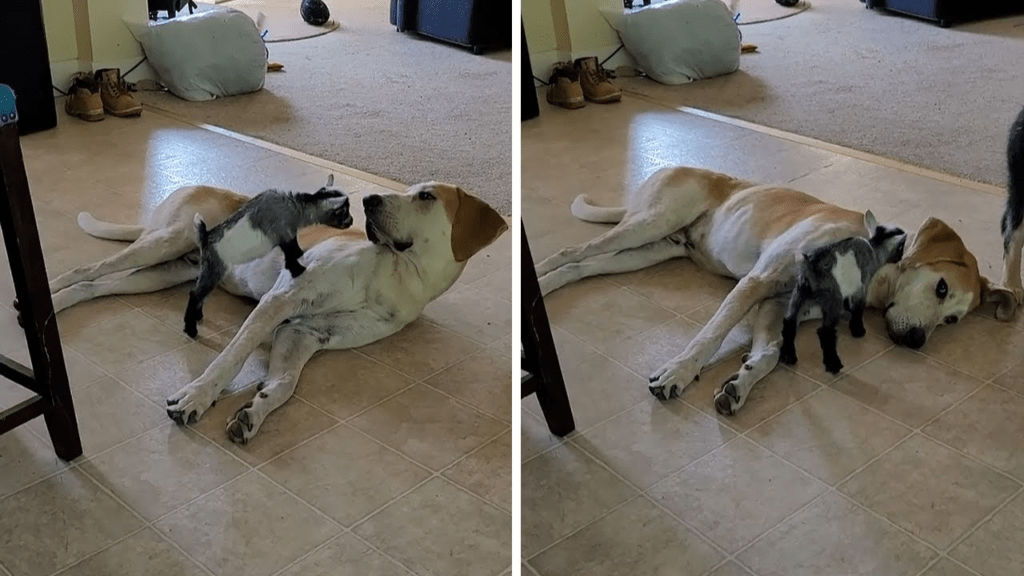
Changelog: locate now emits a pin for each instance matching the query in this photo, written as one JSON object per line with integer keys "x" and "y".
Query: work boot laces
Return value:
{"x": 116, "y": 87}
{"x": 597, "y": 73}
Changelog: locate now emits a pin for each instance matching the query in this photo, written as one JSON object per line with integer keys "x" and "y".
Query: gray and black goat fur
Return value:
{"x": 837, "y": 277}
{"x": 271, "y": 219}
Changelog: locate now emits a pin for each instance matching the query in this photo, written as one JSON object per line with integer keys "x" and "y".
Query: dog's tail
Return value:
{"x": 108, "y": 230}
{"x": 584, "y": 210}
{"x": 1014, "y": 213}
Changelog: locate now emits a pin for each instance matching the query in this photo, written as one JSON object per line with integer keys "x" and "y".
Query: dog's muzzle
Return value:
{"x": 913, "y": 338}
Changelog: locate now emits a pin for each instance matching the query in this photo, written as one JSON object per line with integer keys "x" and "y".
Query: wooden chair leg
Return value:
{"x": 541, "y": 357}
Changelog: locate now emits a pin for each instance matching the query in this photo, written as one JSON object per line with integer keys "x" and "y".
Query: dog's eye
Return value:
{"x": 425, "y": 196}
{"x": 942, "y": 289}
{"x": 951, "y": 319}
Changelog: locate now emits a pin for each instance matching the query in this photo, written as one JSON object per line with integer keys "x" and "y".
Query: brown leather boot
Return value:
{"x": 595, "y": 81}
{"x": 83, "y": 100}
{"x": 564, "y": 87}
{"x": 117, "y": 100}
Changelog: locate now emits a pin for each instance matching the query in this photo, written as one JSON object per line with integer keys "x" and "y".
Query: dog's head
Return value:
{"x": 936, "y": 282}
{"x": 432, "y": 217}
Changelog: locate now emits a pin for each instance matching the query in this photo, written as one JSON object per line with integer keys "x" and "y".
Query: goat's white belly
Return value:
{"x": 847, "y": 274}
{"x": 243, "y": 243}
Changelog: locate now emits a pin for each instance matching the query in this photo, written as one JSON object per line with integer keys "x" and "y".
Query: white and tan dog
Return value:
{"x": 753, "y": 233}
{"x": 354, "y": 291}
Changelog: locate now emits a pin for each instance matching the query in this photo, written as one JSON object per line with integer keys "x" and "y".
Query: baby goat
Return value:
{"x": 272, "y": 218}
{"x": 836, "y": 277}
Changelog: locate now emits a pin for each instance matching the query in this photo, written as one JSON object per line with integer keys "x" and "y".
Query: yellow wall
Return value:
{"x": 59, "y": 20}
{"x": 559, "y": 30}
{"x": 90, "y": 34}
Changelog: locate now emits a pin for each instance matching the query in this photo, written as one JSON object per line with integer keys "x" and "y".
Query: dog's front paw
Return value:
{"x": 858, "y": 330}
{"x": 670, "y": 380}
{"x": 188, "y": 405}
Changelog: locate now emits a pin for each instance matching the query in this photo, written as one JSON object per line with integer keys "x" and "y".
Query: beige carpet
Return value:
{"x": 878, "y": 82}
{"x": 395, "y": 105}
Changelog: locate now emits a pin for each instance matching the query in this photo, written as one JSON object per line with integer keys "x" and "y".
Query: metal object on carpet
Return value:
{"x": 172, "y": 7}
{"x": 48, "y": 377}
{"x": 314, "y": 12}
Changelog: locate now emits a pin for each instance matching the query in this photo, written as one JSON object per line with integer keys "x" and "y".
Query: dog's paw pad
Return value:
{"x": 240, "y": 426}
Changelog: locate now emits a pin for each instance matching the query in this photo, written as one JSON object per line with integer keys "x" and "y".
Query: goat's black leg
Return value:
{"x": 827, "y": 338}
{"x": 787, "y": 354}
{"x": 209, "y": 277}
{"x": 292, "y": 253}
{"x": 857, "y": 318}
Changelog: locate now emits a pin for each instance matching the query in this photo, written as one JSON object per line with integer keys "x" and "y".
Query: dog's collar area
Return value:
{"x": 377, "y": 237}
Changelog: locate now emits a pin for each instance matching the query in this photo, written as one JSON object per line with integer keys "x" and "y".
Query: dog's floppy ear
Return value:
{"x": 936, "y": 242}
{"x": 474, "y": 226}
{"x": 1005, "y": 300}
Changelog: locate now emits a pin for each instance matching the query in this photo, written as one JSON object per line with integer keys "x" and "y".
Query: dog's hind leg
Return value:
{"x": 141, "y": 281}
{"x": 762, "y": 359}
{"x": 293, "y": 346}
{"x": 614, "y": 263}
{"x": 150, "y": 249}
{"x": 634, "y": 231}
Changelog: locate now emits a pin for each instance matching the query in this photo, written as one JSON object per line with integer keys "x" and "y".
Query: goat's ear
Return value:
{"x": 870, "y": 222}
{"x": 1005, "y": 301}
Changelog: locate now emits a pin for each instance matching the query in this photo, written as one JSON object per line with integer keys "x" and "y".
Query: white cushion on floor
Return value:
{"x": 680, "y": 41}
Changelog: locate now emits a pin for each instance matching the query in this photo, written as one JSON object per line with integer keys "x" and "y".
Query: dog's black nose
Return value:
{"x": 914, "y": 338}
{"x": 372, "y": 201}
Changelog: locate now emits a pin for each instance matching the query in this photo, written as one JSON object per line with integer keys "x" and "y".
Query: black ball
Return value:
{"x": 788, "y": 3}
{"x": 314, "y": 12}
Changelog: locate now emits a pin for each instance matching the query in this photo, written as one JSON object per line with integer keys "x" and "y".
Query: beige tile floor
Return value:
{"x": 391, "y": 459}
{"x": 909, "y": 463}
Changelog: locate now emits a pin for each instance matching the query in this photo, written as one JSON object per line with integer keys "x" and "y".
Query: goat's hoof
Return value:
{"x": 788, "y": 357}
{"x": 833, "y": 367}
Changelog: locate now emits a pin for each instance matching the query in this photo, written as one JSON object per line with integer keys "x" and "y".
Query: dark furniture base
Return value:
{"x": 540, "y": 359}
{"x": 949, "y": 12}
{"x": 476, "y": 24}
{"x": 25, "y": 65}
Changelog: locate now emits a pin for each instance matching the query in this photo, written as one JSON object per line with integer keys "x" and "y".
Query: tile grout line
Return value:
{"x": 431, "y": 476}
{"x": 645, "y": 495}
{"x": 575, "y": 531}
{"x": 869, "y": 463}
